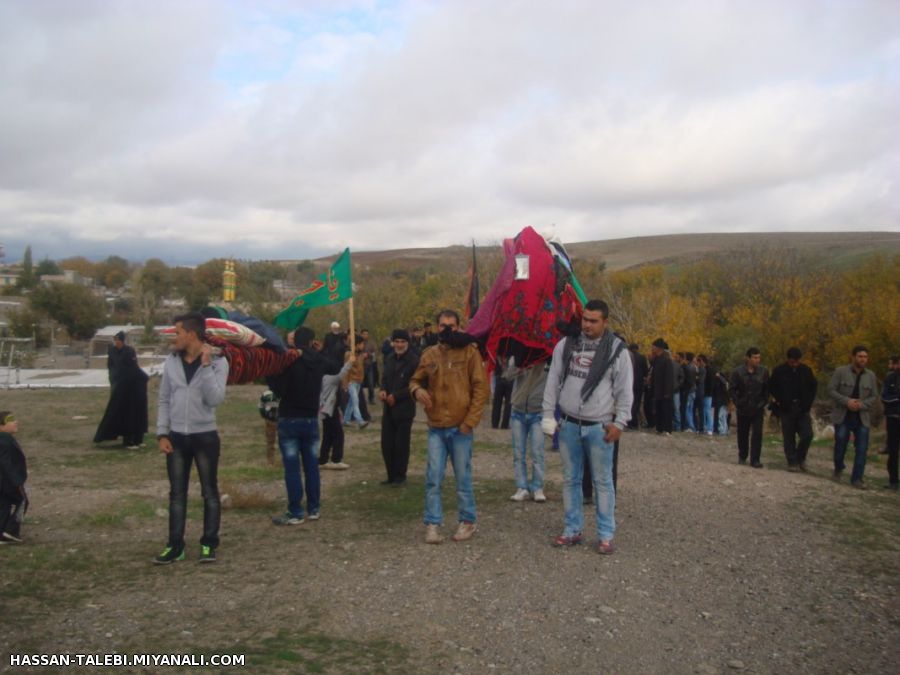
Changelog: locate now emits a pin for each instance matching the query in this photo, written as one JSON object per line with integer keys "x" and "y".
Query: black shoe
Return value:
{"x": 169, "y": 555}
{"x": 400, "y": 482}
{"x": 891, "y": 486}
{"x": 757, "y": 465}
{"x": 207, "y": 554}
{"x": 389, "y": 481}
{"x": 836, "y": 474}
{"x": 10, "y": 538}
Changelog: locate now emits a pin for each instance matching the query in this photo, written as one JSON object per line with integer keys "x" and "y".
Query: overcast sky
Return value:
{"x": 273, "y": 129}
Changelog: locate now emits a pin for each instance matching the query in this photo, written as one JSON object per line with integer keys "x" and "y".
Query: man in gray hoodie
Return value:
{"x": 591, "y": 379}
{"x": 193, "y": 385}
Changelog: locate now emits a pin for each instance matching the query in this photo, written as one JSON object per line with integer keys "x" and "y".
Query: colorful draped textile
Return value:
{"x": 526, "y": 307}
{"x": 247, "y": 364}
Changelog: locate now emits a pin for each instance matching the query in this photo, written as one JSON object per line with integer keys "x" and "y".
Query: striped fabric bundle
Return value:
{"x": 247, "y": 364}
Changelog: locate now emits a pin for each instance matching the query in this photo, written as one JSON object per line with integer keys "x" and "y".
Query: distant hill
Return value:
{"x": 841, "y": 248}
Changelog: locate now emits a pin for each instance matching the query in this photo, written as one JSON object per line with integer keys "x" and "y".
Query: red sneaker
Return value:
{"x": 563, "y": 540}
{"x": 605, "y": 548}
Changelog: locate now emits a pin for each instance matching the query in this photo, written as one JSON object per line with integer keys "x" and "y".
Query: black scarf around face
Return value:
{"x": 454, "y": 338}
{"x": 606, "y": 352}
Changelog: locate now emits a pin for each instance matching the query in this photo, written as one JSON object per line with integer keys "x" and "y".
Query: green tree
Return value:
{"x": 47, "y": 266}
{"x": 71, "y": 305}
{"x": 27, "y": 278}
{"x": 113, "y": 272}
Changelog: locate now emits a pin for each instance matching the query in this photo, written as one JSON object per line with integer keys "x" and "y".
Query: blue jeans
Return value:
{"x": 527, "y": 434}
{"x": 352, "y": 414}
{"x": 574, "y": 442}
{"x": 689, "y": 412}
{"x": 676, "y": 414}
{"x": 707, "y": 414}
{"x": 298, "y": 439}
{"x": 723, "y": 420}
{"x": 860, "y": 433}
{"x": 443, "y": 443}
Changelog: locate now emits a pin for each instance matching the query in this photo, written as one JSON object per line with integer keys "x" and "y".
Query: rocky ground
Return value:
{"x": 720, "y": 568}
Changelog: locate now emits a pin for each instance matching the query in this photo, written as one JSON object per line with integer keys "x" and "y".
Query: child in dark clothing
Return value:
{"x": 13, "y": 474}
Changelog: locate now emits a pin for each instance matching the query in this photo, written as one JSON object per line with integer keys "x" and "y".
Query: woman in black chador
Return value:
{"x": 126, "y": 412}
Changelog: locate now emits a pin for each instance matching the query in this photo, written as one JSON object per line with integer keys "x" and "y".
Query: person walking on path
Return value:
{"x": 793, "y": 387}
{"x": 853, "y": 389}
{"x": 749, "y": 390}
{"x": 890, "y": 397}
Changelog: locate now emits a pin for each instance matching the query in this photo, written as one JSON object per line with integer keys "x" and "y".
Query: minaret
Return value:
{"x": 229, "y": 282}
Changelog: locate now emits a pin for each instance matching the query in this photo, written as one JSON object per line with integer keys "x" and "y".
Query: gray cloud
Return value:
{"x": 276, "y": 127}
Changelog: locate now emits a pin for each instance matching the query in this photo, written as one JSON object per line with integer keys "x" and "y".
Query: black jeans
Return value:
{"x": 796, "y": 423}
{"x": 893, "y": 444}
{"x": 202, "y": 448}
{"x": 8, "y": 504}
{"x": 635, "y": 421}
{"x": 501, "y": 408}
{"x": 747, "y": 442}
{"x": 395, "y": 446}
{"x": 332, "y": 438}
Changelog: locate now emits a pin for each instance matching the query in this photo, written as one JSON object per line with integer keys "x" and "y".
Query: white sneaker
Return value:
{"x": 327, "y": 465}
{"x": 520, "y": 496}
{"x": 433, "y": 535}
{"x": 340, "y": 466}
{"x": 539, "y": 496}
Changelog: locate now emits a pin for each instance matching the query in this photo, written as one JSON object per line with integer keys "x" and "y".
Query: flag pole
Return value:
{"x": 352, "y": 332}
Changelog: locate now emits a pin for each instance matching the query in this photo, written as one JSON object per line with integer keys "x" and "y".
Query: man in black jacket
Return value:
{"x": 663, "y": 380}
{"x": 641, "y": 367}
{"x": 793, "y": 386}
{"x": 13, "y": 474}
{"x": 749, "y": 390}
{"x": 399, "y": 407}
{"x": 299, "y": 388}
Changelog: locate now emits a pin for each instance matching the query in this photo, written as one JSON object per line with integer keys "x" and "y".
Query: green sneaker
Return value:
{"x": 207, "y": 554}
{"x": 169, "y": 555}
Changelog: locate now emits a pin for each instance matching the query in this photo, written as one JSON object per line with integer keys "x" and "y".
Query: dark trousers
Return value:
{"x": 587, "y": 483}
{"x": 371, "y": 377}
{"x": 202, "y": 449}
{"x": 635, "y": 421}
{"x": 750, "y": 443}
{"x": 664, "y": 413}
{"x": 502, "y": 406}
{"x": 649, "y": 405}
{"x": 395, "y": 436}
{"x": 8, "y": 522}
{"x": 796, "y": 423}
{"x": 332, "y": 438}
{"x": 893, "y": 443}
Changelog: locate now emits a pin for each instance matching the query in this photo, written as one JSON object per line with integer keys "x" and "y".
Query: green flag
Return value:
{"x": 332, "y": 287}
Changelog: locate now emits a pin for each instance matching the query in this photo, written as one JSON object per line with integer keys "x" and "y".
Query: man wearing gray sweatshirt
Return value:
{"x": 193, "y": 385}
{"x": 590, "y": 379}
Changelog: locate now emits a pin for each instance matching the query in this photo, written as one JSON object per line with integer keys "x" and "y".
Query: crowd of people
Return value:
{"x": 585, "y": 397}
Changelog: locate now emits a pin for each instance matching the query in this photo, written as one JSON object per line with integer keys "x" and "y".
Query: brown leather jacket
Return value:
{"x": 457, "y": 383}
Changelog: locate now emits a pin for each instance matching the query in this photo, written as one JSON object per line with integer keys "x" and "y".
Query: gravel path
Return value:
{"x": 719, "y": 568}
